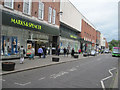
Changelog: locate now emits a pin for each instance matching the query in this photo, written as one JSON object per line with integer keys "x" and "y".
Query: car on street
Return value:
{"x": 93, "y": 53}
{"x": 97, "y": 52}
{"x": 106, "y": 51}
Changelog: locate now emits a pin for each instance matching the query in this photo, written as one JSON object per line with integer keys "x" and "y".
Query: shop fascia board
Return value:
{"x": 38, "y": 40}
{"x": 19, "y": 13}
{"x": 67, "y": 39}
{"x": 46, "y": 28}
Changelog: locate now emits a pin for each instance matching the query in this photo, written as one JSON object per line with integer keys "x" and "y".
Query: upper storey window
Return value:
{"x": 41, "y": 10}
{"x": 9, "y": 4}
{"x": 27, "y": 7}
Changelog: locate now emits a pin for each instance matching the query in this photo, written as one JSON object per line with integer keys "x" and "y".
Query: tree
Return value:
{"x": 114, "y": 43}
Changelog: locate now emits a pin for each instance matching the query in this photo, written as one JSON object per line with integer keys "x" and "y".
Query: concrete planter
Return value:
{"x": 76, "y": 56}
{"x": 8, "y": 66}
{"x": 55, "y": 59}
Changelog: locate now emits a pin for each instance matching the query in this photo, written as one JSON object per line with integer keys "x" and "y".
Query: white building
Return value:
{"x": 102, "y": 41}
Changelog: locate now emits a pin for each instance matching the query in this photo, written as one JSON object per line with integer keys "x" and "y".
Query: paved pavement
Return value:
{"x": 82, "y": 73}
{"x": 38, "y": 62}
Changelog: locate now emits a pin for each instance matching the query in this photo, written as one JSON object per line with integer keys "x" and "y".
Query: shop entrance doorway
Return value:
{"x": 55, "y": 45}
{"x": 39, "y": 44}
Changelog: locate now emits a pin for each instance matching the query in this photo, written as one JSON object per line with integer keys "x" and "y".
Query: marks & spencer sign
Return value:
{"x": 25, "y": 23}
{"x": 20, "y": 22}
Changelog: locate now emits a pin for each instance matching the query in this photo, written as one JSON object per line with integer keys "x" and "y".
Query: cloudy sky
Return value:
{"x": 103, "y": 14}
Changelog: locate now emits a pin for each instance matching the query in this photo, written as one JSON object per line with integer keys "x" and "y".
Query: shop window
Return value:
{"x": 9, "y": 4}
{"x": 41, "y": 10}
{"x": 9, "y": 46}
{"x": 49, "y": 14}
{"x": 27, "y": 7}
{"x": 54, "y": 16}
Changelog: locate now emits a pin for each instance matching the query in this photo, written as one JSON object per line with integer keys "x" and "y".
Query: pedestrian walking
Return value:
{"x": 58, "y": 51}
{"x": 64, "y": 51}
{"x": 67, "y": 51}
{"x": 22, "y": 53}
{"x": 40, "y": 51}
{"x": 72, "y": 53}
{"x": 44, "y": 51}
{"x": 32, "y": 52}
{"x": 79, "y": 51}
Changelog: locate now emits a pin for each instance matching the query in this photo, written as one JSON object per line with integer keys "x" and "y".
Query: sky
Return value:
{"x": 103, "y": 14}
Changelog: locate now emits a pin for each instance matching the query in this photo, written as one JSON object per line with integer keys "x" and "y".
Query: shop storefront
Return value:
{"x": 69, "y": 39}
{"x": 65, "y": 43}
{"x": 86, "y": 45}
{"x": 19, "y": 31}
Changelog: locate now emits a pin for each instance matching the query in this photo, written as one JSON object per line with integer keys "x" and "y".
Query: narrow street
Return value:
{"x": 84, "y": 73}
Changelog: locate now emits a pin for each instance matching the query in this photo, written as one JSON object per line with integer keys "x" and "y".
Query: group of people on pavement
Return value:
{"x": 66, "y": 51}
{"x": 42, "y": 52}
{"x": 31, "y": 53}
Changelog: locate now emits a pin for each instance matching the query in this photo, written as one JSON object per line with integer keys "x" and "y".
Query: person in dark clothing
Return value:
{"x": 58, "y": 51}
{"x": 65, "y": 51}
{"x": 44, "y": 51}
{"x": 72, "y": 53}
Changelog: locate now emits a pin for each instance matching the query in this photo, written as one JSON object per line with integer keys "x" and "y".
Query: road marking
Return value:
{"x": 54, "y": 76}
{"x": 41, "y": 78}
{"x": 22, "y": 84}
{"x": 102, "y": 81}
{"x": 73, "y": 69}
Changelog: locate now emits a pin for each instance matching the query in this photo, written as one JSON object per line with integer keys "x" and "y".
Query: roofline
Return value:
{"x": 82, "y": 15}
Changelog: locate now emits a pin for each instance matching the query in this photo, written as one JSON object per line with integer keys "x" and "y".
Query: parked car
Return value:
{"x": 93, "y": 53}
{"x": 106, "y": 51}
{"x": 97, "y": 52}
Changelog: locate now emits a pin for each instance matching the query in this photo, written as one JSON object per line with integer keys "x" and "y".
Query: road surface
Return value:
{"x": 92, "y": 72}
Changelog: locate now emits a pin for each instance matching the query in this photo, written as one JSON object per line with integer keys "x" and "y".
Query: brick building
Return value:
{"x": 106, "y": 43}
{"x": 29, "y": 24}
{"x": 88, "y": 33}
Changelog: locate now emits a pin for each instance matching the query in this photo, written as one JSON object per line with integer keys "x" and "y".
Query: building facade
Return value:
{"x": 88, "y": 33}
{"x": 106, "y": 44}
{"x": 29, "y": 24}
{"x": 98, "y": 40}
{"x": 41, "y": 23}
{"x": 102, "y": 42}
{"x": 70, "y": 26}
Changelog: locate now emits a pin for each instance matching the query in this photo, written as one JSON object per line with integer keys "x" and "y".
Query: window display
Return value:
{"x": 14, "y": 45}
{"x": 9, "y": 45}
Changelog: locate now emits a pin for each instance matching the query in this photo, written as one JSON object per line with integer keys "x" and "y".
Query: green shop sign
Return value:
{"x": 25, "y": 23}
{"x": 73, "y": 36}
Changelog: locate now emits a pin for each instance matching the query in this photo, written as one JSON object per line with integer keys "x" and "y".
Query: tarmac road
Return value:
{"x": 84, "y": 73}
